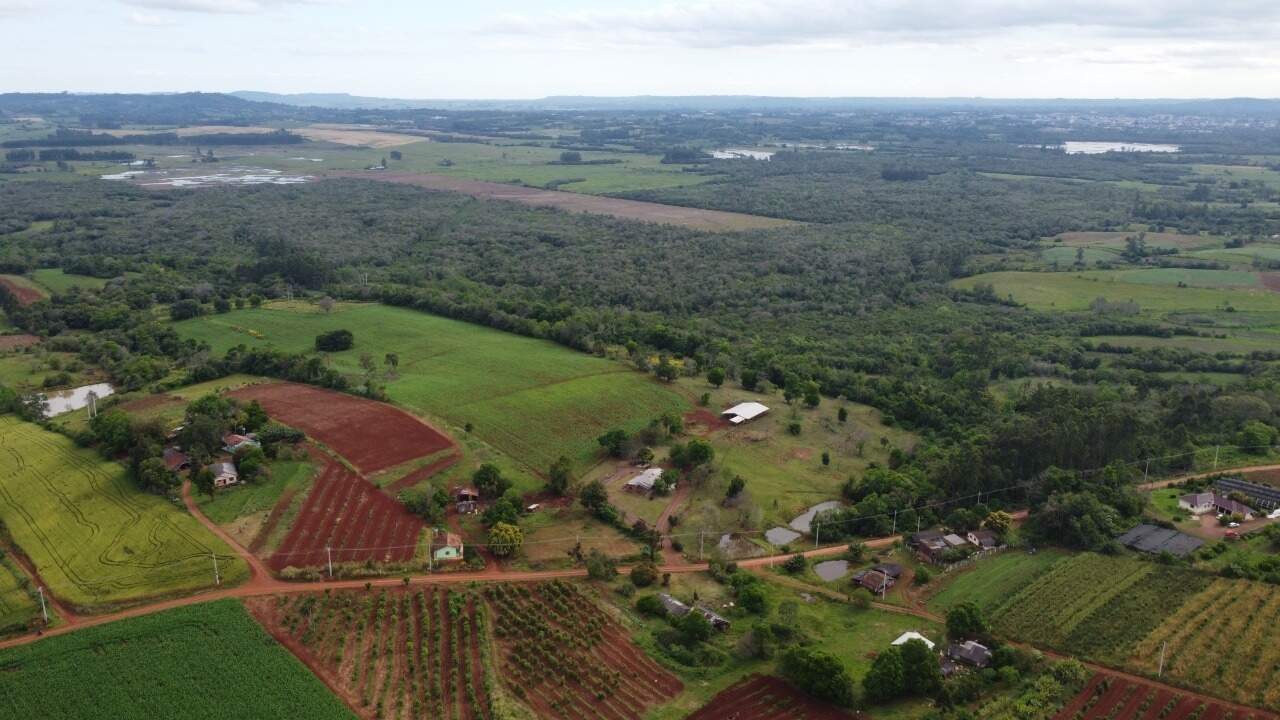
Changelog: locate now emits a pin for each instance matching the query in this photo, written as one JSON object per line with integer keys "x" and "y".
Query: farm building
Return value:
{"x": 970, "y": 653}
{"x": 875, "y": 581}
{"x": 954, "y": 541}
{"x": 467, "y": 499}
{"x": 224, "y": 474}
{"x": 644, "y": 482}
{"x": 176, "y": 460}
{"x": 233, "y": 442}
{"x": 1263, "y": 496}
{"x": 1197, "y": 503}
{"x": 1155, "y": 540}
{"x": 1226, "y": 506}
{"x": 910, "y": 635}
{"x": 893, "y": 570}
{"x": 675, "y": 608}
{"x": 743, "y": 412}
{"x": 445, "y": 546}
{"x": 983, "y": 539}
{"x": 929, "y": 544}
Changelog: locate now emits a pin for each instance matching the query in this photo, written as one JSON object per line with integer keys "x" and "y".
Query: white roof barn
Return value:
{"x": 743, "y": 412}
{"x": 910, "y": 635}
{"x": 644, "y": 481}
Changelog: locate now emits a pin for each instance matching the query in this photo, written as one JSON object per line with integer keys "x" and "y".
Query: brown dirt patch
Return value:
{"x": 702, "y": 421}
{"x": 356, "y": 135}
{"x": 1265, "y": 477}
{"x": 13, "y": 342}
{"x": 764, "y": 697}
{"x": 25, "y": 294}
{"x": 697, "y": 218}
{"x": 370, "y": 435}
{"x": 150, "y": 403}
{"x": 1271, "y": 281}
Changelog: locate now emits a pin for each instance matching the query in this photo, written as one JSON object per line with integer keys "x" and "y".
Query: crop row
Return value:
{"x": 1056, "y": 603}
{"x": 1111, "y": 630}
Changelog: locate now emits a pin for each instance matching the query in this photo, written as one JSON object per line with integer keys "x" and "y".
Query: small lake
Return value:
{"x": 832, "y": 569}
{"x": 781, "y": 536}
{"x": 741, "y": 154}
{"x": 1077, "y": 147}
{"x": 801, "y": 522}
{"x": 65, "y": 401}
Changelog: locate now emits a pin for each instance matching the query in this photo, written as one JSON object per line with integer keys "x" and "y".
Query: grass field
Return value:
{"x": 94, "y": 538}
{"x": 201, "y": 662}
{"x": 243, "y": 509}
{"x": 1234, "y": 343}
{"x": 18, "y": 607}
{"x": 529, "y": 398}
{"x": 56, "y": 281}
{"x": 992, "y": 580}
{"x": 27, "y": 371}
{"x": 1154, "y": 290}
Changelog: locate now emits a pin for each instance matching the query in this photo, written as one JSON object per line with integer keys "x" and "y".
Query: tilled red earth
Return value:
{"x": 371, "y": 435}
{"x": 764, "y": 697}
{"x": 349, "y": 514}
{"x": 1120, "y": 698}
{"x": 22, "y": 293}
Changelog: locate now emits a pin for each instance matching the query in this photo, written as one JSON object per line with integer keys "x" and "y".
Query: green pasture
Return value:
{"x": 1153, "y": 290}
{"x": 1228, "y": 173}
{"x": 56, "y": 281}
{"x": 990, "y": 581}
{"x": 207, "y": 661}
{"x": 18, "y": 602}
{"x": 1235, "y": 343}
{"x": 1117, "y": 240}
{"x": 238, "y": 501}
{"x": 28, "y": 371}
{"x": 95, "y": 538}
{"x": 529, "y": 398}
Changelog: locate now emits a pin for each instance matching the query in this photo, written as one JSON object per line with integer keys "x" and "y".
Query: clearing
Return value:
{"x": 699, "y": 219}
{"x": 1154, "y": 290}
{"x": 93, "y": 537}
{"x": 203, "y": 662}
{"x": 22, "y": 289}
{"x": 532, "y": 399}
{"x": 356, "y": 135}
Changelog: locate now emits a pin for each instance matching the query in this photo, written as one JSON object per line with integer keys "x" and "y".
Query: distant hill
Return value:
{"x": 109, "y": 110}
{"x": 341, "y": 101}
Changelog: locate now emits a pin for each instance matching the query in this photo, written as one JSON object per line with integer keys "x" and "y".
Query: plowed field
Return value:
{"x": 1117, "y": 698}
{"x": 763, "y": 697}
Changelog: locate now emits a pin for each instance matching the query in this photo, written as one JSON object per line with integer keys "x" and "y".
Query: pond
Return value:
{"x": 801, "y": 522}
{"x": 65, "y": 401}
{"x": 1080, "y": 147}
{"x": 781, "y": 536}
{"x": 832, "y": 569}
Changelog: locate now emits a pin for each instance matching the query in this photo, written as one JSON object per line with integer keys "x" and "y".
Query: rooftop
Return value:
{"x": 910, "y": 635}
{"x": 1153, "y": 539}
{"x": 646, "y": 479}
{"x": 744, "y": 411}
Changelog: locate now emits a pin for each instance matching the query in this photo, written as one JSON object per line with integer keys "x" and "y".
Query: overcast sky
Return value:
{"x": 535, "y": 48}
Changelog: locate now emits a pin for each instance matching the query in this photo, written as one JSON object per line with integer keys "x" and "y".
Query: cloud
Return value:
{"x": 15, "y": 8}
{"x": 150, "y": 20}
{"x": 219, "y": 7}
{"x": 746, "y": 23}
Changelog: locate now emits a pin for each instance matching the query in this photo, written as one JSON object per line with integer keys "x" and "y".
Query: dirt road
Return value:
{"x": 1175, "y": 480}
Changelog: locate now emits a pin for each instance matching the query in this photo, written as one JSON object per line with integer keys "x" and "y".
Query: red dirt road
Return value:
{"x": 370, "y": 435}
{"x": 697, "y": 218}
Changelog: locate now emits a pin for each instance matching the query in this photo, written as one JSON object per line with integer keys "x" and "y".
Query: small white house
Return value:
{"x": 644, "y": 482}
{"x": 910, "y": 635}
{"x": 224, "y": 474}
{"x": 743, "y": 412}
{"x": 1197, "y": 503}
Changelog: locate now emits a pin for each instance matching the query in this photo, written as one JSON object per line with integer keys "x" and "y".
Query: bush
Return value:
{"x": 644, "y": 574}
{"x": 795, "y": 564}
{"x": 650, "y": 605}
{"x": 923, "y": 576}
{"x": 335, "y": 341}
{"x": 820, "y": 674}
{"x": 600, "y": 566}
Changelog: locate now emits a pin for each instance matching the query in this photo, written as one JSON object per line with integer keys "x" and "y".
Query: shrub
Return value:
{"x": 821, "y": 674}
{"x": 644, "y": 574}
{"x": 795, "y": 564}
{"x": 335, "y": 341}
{"x": 650, "y": 605}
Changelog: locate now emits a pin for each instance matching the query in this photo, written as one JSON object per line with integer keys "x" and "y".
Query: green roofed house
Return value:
{"x": 445, "y": 546}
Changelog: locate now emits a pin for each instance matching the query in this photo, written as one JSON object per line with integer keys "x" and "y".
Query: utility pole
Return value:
{"x": 43, "y": 610}
{"x": 1215, "y": 456}
{"x": 329, "y": 552}
{"x": 895, "y": 523}
{"x": 217, "y": 579}
{"x": 1162, "y": 647}
{"x": 702, "y": 539}
{"x": 1145, "y": 471}
{"x": 817, "y": 534}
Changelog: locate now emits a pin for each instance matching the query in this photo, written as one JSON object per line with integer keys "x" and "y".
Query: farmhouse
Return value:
{"x": 910, "y": 635}
{"x": 970, "y": 653}
{"x": 224, "y": 474}
{"x": 1155, "y": 540}
{"x": 467, "y": 499}
{"x": 1226, "y": 506}
{"x": 929, "y": 544}
{"x": 644, "y": 482}
{"x": 176, "y": 460}
{"x": 233, "y": 442}
{"x": 983, "y": 539}
{"x": 675, "y": 608}
{"x": 1262, "y": 496}
{"x": 743, "y": 412}
{"x": 445, "y": 546}
{"x": 1197, "y": 503}
{"x": 893, "y": 570}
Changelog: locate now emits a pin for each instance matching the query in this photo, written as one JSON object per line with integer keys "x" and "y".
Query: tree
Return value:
{"x": 600, "y": 566}
{"x": 366, "y": 363}
{"x": 812, "y": 395}
{"x": 826, "y": 458}
{"x": 998, "y": 521}
{"x": 842, "y": 414}
{"x": 335, "y": 341}
{"x": 505, "y": 539}
{"x": 715, "y": 376}
{"x": 429, "y": 504}
{"x": 593, "y": 495}
{"x": 255, "y": 417}
{"x": 1257, "y": 437}
{"x": 922, "y": 674}
{"x": 489, "y": 481}
{"x": 666, "y": 369}
{"x": 559, "y": 475}
{"x": 736, "y": 486}
{"x": 570, "y": 157}
{"x": 650, "y": 605}
{"x": 614, "y": 442}
{"x": 154, "y": 476}
{"x": 818, "y": 673}
{"x": 644, "y": 574}
{"x": 203, "y": 480}
{"x": 886, "y": 680}
{"x": 392, "y": 361}
{"x": 752, "y": 598}
{"x": 501, "y": 511}
{"x": 396, "y": 155}
{"x": 694, "y": 628}
{"x": 750, "y": 379}
{"x": 184, "y": 309}
{"x": 965, "y": 622}
{"x": 795, "y": 564}
{"x": 113, "y": 431}
{"x": 251, "y": 463}
{"x": 692, "y": 454}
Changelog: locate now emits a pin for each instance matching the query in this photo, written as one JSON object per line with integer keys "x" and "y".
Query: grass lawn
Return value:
{"x": 27, "y": 371}
{"x": 56, "y": 281}
{"x": 1154, "y": 290}
{"x": 992, "y": 580}
{"x": 205, "y": 661}
{"x": 238, "y": 501}
{"x": 1164, "y": 504}
{"x": 531, "y": 399}
{"x": 549, "y": 535}
{"x": 92, "y": 535}
{"x": 18, "y": 603}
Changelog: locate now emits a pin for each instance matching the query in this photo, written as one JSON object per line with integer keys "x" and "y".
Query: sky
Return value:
{"x": 535, "y": 48}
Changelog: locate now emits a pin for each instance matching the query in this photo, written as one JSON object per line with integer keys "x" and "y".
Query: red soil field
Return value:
{"x": 423, "y": 473}
{"x": 1265, "y": 477}
{"x": 391, "y": 653}
{"x": 764, "y": 697}
{"x": 24, "y": 295}
{"x": 1123, "y": 698}
{"x": 565, "y": 658}
{"x": 703, "y": 418}
{"x": 11, "y": 342}
{"x": 348, "y": 513}
{"x": 370, "y": 435}
{"x": 1271, "y": 281}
